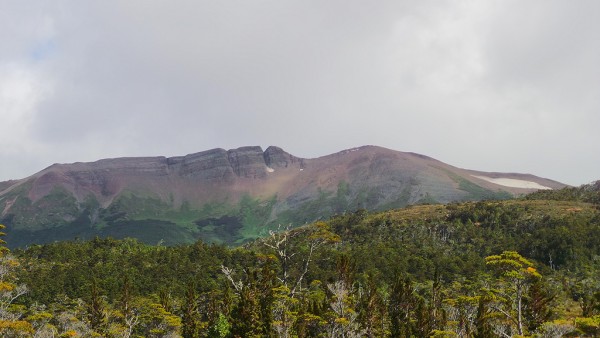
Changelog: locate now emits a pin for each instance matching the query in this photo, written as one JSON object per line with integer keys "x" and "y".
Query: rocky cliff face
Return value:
{"x": 232, "y": 195}
{"x": 276, "y": 157}
{"x": 106, "y": 179}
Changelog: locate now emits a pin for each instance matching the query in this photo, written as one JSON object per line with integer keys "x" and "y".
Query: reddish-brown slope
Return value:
{"x": 219, "y": 174}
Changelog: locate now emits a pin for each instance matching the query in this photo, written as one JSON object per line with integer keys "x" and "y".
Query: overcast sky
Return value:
{"x": 511, "y": 86}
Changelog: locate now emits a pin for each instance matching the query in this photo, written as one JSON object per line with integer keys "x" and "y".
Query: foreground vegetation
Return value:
{"x": 525, "y": 267}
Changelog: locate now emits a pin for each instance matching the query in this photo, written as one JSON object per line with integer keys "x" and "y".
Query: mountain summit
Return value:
{"x": 233, "y": 195}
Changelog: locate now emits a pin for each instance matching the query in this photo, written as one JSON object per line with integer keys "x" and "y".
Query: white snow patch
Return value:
{"x": 513, "y": 183}
{"x": 270, "y": 170}
{"x": 347, "y": 151}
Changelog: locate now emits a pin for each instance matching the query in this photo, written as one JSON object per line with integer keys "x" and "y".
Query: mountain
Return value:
{"x": 232, "y": 196}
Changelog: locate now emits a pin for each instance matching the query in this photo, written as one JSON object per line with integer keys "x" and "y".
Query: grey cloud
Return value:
{"x": 505, "y": 86}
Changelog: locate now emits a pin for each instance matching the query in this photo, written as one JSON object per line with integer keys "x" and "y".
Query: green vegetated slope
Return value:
{"x": 151, "y": 220}
{"x": 418, "y": 271}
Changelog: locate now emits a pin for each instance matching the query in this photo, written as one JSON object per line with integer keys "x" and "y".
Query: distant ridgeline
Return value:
{"x": 589, "y": 193}
{"x": 233, "y": 196}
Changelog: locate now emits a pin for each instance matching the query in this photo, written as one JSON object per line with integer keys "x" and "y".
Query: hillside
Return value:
{"x": 419, "y": 271}
{"x": 232, "y": 196}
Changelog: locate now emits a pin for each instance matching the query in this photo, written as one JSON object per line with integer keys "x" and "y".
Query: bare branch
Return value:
{"x": 229, "y": 274}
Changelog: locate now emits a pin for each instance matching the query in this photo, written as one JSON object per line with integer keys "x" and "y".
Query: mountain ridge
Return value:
{"x": 201, "y": 193}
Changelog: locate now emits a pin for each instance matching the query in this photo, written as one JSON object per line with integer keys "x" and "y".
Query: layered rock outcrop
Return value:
{"x": 276, "y": 157}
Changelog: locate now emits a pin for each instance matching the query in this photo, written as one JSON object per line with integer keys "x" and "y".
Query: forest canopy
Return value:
{"x": 522, "y": 267}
